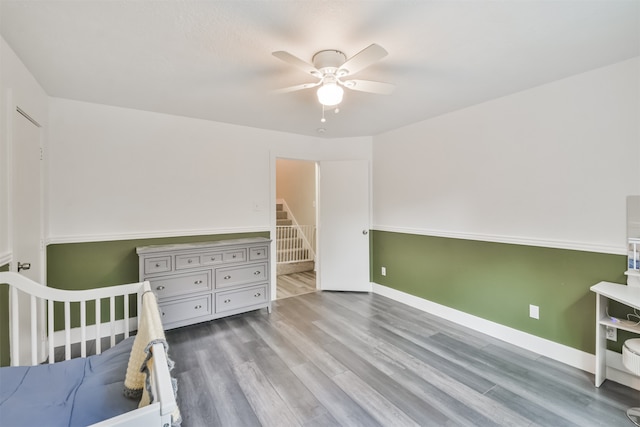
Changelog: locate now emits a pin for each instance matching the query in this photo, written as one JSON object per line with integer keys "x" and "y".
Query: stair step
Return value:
{"x": 284, "y": 255}
{"x": 281, "y": 215}
{"x": 279, "y": 206}
{"x": 294, "y": 267}
{"x": 284, "y": 222}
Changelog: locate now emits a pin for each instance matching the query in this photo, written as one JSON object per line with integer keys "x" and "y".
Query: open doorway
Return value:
{"x": 296, "y": 227}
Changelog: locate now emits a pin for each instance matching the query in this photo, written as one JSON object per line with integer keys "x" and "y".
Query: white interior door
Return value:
{"x": 26, "y": 202}
{"x": 343, "y": 229}
{"x": 26, "y": 197}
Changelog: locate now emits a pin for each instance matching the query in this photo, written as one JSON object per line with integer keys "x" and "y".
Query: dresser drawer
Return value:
{"x": 185, "y": 309}
{"x": 157, "y": 265}
{"x": 211, "y": 258}
{"x": 236, "y": 255}
{"x": 231, "y": 300}
{"x": 257, "y": 253}
{"x": 232, "y": 276}
{"x": 180, "y": 284}
{"x": 187, "y": 261}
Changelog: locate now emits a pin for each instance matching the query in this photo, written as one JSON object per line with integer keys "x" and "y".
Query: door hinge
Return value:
{"x": 41, "y": 153}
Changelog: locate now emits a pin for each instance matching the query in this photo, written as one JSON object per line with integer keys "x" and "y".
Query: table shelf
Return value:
{"x": 621, "y": 325}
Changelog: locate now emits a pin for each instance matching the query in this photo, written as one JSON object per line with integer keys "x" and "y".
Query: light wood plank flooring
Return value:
{"x": 289, "y": 285}
{"x": 347, "y": 359}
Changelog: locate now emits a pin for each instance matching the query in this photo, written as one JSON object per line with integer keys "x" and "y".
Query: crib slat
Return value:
{"x": 15, "y": 328}
{"x": 34, "y": 331}
{"x": 125, "y": 299}
{"x": 67, "y": 330}
{"x": 50, "y": 329}
{"x": 112, "y": 319}
{"x": 98, "y": 320}
{"x": 83, "y": 328}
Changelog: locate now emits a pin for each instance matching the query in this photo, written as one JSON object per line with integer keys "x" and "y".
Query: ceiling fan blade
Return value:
{"x": 369, "y": 86}
{"x": 296, "y": 87}
{"x": 362, "y": 59}
{"x": 297, "y": 62}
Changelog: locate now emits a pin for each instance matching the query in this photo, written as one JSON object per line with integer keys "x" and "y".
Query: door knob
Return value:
{"x": 365, "y": 232}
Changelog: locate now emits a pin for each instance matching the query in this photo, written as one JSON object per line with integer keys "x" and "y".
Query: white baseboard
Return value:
{"x": 562, "y": 353}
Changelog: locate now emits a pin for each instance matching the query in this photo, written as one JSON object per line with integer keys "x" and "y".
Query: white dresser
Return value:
{"x": 196, "y": 282}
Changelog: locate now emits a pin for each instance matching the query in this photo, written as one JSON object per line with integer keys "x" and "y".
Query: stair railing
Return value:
{"x": 293, "y": 243}
{"x": 286, "y": 239}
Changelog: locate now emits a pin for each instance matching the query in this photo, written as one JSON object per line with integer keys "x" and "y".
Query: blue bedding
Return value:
{"x": 77, "y": 392}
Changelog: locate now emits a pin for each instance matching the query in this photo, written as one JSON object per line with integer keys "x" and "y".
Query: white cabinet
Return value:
{"x": 196, "y": 282}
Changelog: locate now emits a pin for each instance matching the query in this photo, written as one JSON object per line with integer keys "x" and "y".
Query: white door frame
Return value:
{"x": 272, "y": 214}
{"x": 272, "y": 205}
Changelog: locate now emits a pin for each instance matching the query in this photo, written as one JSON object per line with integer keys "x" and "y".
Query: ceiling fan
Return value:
{"x": 331, "y": 67}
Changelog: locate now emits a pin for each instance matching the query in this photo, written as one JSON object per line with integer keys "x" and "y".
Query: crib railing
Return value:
{"x": 43, "y": 304}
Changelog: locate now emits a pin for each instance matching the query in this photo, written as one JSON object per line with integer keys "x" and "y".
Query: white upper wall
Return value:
{"x": 549, "y": 166}
{"x": 18, "y": 88}
{"x": 122, "y": 173}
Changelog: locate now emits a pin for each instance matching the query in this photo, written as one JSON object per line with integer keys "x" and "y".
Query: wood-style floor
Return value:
{"x": 347, "y": 359}
{"x": 289, "y": 285}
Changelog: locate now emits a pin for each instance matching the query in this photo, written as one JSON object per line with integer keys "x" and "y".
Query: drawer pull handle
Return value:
{"x": 257, "y": 294}
{"x": 189, "y": 261}
{"x": 160, "y": 288}
{"x": 257, "y": 272}
{"x": 197, "y": 282}
{"x": 163, "y": 313}
{"x": 234, "y": 255}
{"x": 213, "y": 258}
{"x": 259, "y": 253}
{"x": 227, "y": 301}
{"x": 198, "y": 307}
{"x": 227, "y": 277}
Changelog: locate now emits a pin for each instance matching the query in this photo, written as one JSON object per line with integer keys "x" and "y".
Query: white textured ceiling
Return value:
{"x": 212, "y": 59}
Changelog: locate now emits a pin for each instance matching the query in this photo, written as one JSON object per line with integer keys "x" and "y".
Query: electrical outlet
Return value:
{"x": 534, "y": 311}
{"x": 612, "y": 333}
{"x": 383, "y": 271}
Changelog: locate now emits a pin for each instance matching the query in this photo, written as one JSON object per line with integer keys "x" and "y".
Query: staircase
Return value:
{"x": 291, "y": 254}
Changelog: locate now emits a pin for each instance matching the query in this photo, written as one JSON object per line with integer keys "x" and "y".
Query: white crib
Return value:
{"x": 39, "y": 302}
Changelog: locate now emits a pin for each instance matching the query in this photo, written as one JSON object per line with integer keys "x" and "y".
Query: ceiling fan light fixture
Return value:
{"x": 330, "y": 94}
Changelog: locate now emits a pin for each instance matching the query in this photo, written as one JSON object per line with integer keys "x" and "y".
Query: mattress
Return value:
{"x": 76, "y": 392}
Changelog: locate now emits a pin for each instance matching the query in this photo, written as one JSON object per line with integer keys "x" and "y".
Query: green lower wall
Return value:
{"x": 4, "y": 321}
{"x": 497, "y": 281}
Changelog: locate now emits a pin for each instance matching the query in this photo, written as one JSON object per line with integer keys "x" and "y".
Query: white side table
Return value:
{"x": 605, "y": 291}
